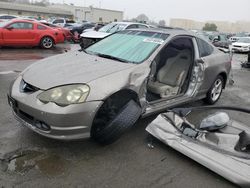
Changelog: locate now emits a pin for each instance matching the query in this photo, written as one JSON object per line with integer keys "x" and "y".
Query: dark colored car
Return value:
{"x": 222, "y": 41}
{"x": 79, "y": 28}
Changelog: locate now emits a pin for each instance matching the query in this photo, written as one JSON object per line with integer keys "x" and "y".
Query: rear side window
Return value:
{"x": 205, "y": 49}
{"x": 40, "y": 27}
{"x": 142, "y": 26}
{"x": 58, "y": 21}
{"x": 133, "y": 26}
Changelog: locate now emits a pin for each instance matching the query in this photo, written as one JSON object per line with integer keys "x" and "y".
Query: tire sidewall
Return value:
{"x": 209, "y": 98}
{"x": 47, "y": 37}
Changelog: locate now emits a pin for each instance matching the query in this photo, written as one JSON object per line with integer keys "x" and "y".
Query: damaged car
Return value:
{"x": 100, "y": 92}
{"x": 217, "y": 142}
{"x": 90, "y": 37}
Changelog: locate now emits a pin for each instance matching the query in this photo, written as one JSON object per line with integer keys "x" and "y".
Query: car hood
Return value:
{"x": 94, "y": 34}
{"x": 73, "y": 67}
{"x": 241, "y": 44}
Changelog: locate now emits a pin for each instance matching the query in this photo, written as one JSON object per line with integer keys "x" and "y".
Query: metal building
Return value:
{"x": 32, "y": 10}
{"x": 91, "y": 14}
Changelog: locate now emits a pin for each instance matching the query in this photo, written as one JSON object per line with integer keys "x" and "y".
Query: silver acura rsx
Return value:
{"x": 103, "y": 90}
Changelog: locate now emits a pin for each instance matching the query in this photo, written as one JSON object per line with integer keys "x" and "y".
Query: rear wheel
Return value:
{"x": 113, "y": 119}
{"x": 47, "y": 42}
{"x": 215, "y": 91}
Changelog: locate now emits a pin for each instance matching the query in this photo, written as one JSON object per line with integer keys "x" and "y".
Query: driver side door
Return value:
{"x": 19, "y": 33}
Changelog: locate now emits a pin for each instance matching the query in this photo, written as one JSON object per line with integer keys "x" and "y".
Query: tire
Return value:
{"x": 215, "y": 91}
{"x": 124, "y": 119}
{"x": 47, "y": 43}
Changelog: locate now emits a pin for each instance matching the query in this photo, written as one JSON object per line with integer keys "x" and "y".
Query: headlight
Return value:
{"x": 65, "y": 95}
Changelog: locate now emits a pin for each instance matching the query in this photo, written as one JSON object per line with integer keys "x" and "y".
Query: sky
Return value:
{"x": 200, "y": 10}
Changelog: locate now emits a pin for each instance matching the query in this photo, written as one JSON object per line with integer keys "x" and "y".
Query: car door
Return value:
{"x": 170, "y": 54}
{"x": 19, "y": 33}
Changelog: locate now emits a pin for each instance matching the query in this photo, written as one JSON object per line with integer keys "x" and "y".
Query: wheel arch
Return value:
{"x": 43, "y": 36}
{"x": 224, "y": 76}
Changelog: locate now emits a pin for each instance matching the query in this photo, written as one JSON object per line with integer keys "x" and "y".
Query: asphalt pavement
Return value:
{"x": 30, "y": 160}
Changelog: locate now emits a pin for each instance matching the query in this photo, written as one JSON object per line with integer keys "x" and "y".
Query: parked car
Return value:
{"x": 95, "y": 28}
{"x": 221, "y": 41}
{"x": 6, "y": 17}
{"x": 63, "y": 22}
{"x": 66, "y": 32}
{"x": 88, "y": 38}
{"x": 242, "y": 45}
{"x": 28, "y": 33}
{"x": 103, "y": 90}
{"x": 79, "y": 28}
{"x": 238, "y": 36}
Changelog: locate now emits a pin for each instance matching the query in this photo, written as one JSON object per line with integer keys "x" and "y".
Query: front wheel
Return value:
{"x": 215, "y": 91}
{"x": 47, "y": 42}
{"x": 114, "y": 122}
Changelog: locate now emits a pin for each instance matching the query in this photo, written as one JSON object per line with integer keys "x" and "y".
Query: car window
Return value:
{"x": 40, "y": 27}
{"x": 9, "y": 17}
{"x": 58, "y": 21}
{"x": 21, "y": 25}
{"x": 70, "y": 21}
{"x": 133, "y": 26}
{"x": 142, "y": 26}
{"x": 205, "y": 49}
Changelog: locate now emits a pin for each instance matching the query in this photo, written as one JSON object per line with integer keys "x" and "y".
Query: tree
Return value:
{"x": 210, "y": 27}
{"x": 142, "y": 18}
{"x": 162, "y": 23}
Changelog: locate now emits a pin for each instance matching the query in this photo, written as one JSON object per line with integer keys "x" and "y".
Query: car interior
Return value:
{"x": 171, "y": 70}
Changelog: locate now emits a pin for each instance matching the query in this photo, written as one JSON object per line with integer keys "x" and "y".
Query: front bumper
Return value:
{"x": 240, "y": 49}
{"x": 63, "y": 123}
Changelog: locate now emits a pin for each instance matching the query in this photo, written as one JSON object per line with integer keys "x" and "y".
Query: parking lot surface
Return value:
{"x": 28, "y": 160}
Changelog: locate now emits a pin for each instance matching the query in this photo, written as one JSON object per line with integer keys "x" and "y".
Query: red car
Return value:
{"x": 67, "y": 34}
{"x": 29, "y": 33}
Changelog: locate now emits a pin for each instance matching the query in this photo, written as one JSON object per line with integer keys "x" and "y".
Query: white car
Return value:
{"x": 62, "y": 22}
{"x": 88, "y": 38}
{"x": 242, "y": 45}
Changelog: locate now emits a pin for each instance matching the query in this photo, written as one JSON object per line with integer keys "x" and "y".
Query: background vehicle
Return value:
{"x": 76, "y": 30}
{"x": 221, "y": 41}
{"x": 6, "y": 17}
{"x": 28, "y": 33}
{"x": 63, "y": 22}
{"x": 88, "y": 38}
{"x": 66, "y": 32}
{"x": 242, "y": 45}
{"x": 103, "y": 90}
{"x": 238, "y": 36}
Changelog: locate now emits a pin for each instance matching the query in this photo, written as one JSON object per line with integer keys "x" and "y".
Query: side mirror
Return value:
{"x": 9, "y": 28}
{"x": 199, "y": 61}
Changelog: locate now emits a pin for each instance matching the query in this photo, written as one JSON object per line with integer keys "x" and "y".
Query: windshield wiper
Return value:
{"x": 112, "y": 57}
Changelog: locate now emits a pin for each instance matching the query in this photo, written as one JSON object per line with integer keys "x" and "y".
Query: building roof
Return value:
{"x": 33, "y": 8}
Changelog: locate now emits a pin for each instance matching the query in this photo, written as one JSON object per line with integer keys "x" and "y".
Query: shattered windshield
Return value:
{"x": 128, "y": 46}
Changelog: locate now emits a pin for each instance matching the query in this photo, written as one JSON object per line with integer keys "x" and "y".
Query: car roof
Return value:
{"x": 129, "y": 23}
{"x": 173, "y": 31}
